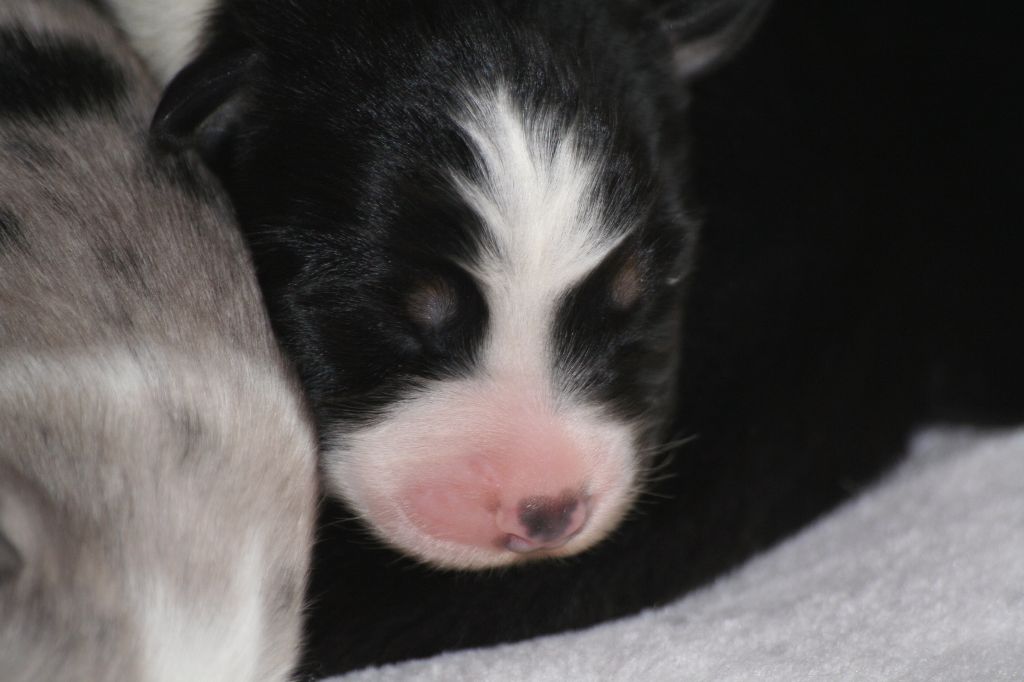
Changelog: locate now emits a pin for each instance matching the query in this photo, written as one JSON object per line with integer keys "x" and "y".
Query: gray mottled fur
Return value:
{"x": 156, "y": 463}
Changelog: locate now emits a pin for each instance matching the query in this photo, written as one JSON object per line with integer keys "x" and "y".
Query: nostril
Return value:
{"x": 549, "y": 519}
{"x": 520, "y": 545}
{"x": 541, "y": 522}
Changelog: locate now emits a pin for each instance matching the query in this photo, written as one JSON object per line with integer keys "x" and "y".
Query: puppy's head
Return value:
{"x": 469, "y": 232}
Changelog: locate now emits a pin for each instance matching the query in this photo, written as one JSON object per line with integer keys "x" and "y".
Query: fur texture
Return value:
{"x": 157, "y": 465}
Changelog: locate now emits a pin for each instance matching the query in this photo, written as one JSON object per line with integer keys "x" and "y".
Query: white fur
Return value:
{"x": 371, "y": 466}
{"x": 184, "y": 640}
{"x": 201, "y": 607}
{"x": 165, "y": 32}
{"x": 547, "y": 222}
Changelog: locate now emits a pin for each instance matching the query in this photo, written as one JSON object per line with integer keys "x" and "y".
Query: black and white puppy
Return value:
{"x": 157, "y": 464}
{"x": 469, "y": 227}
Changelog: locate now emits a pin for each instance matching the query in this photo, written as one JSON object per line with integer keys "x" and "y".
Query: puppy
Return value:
{"x": 469, "y": 227}
{"x": 157, "y": 466}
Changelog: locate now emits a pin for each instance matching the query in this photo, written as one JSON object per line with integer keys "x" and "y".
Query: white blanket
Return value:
{"x": 921, "y": 578}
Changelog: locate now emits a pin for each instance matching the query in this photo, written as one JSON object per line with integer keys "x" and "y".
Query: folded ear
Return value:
{"x": 704, "y": 33}
{"x": 10, "y": 559}
{"x": 203, "y": 104}
{"x": 25, "y": 524}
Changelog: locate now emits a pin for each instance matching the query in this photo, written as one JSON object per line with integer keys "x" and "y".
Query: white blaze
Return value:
{"x": 539, "y": 201}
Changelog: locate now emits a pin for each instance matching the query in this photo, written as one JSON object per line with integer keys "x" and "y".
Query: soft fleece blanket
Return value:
{"x": 920, "y": 578}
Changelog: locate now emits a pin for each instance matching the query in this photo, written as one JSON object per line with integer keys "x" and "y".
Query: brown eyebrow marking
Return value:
{"x": 626, "y": 284}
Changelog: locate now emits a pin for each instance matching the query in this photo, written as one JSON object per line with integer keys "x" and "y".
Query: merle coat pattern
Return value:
{"x": 157, "y": 468}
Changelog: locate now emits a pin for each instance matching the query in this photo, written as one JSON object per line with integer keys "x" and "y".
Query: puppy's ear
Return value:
{"x": 704, "y": 33}
{"x": 10, "y": 559}
{"x": 202, "y": 106}
{"x": 26, "y": 524}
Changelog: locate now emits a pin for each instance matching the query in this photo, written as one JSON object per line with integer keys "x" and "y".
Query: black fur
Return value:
{"x": 33, "y": 154}
{"x": 11, "y": 230}
{"x": 40, "y": 80}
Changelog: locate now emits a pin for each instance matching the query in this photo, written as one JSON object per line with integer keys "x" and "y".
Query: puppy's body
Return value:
{"x": 156, "y": 465}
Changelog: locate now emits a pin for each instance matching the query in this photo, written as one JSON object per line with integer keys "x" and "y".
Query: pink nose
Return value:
{"x": 542, "y": 522}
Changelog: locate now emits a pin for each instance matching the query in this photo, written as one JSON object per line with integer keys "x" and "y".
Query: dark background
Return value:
{"x": 860, "y": 170}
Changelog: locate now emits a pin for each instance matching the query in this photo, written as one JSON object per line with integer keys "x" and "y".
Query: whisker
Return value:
{"x": 669, "y": 445}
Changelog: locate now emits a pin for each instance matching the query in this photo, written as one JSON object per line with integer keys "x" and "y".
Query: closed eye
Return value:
{"x": 444, "y": 311}
{"x": 432, "y": 304}
{"x": 626, "y": 283}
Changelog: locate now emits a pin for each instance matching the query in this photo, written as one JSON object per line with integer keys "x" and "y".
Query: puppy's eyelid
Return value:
{"x": 627, "y": 284}
{"x": 432, "y": 303}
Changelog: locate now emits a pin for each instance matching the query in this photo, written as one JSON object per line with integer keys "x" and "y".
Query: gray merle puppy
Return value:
{"x": 157, "y": 469}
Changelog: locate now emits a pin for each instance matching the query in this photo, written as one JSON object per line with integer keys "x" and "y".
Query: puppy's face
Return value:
{"x": 487, "y": 327}
{"x": 472, "y": 246}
